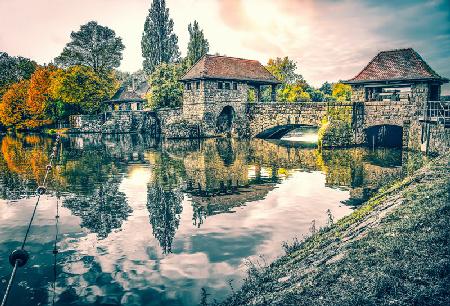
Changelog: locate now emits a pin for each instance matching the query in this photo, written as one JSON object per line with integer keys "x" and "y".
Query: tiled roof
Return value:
{"x": 123, "y": 94}
{"x": 400, "y": 64}
{"x": 231, "y": 68}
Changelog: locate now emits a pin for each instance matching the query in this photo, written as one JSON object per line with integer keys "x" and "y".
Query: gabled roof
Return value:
{"x": 396, "y": 65}
{"x": 125, "y": 95}
{"x": 229, "y": 68}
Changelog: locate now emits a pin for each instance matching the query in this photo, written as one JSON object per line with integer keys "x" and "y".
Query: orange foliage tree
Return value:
{"x": 39, "y": 102}
{"x": 13, "y": 105}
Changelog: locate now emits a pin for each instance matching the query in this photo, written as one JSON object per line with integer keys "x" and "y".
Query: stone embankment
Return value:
{"x": 116, "y": 123}
{"x": 393, "y": 250}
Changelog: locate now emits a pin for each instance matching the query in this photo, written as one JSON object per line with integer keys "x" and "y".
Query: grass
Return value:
{"x": 394, "y": 250}
{"x": 55, "y": 131}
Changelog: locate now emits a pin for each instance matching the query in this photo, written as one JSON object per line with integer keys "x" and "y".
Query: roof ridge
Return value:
{"x": 395, "y": 50}
{"x": 233, "y": 57}
{"x": 404, "y": 63}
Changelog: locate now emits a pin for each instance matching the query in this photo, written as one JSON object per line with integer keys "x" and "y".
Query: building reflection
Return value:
{"x": 218, "y": 174}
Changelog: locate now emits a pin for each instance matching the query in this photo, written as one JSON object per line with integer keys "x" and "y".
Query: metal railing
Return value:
{"x": 437, "y": 111}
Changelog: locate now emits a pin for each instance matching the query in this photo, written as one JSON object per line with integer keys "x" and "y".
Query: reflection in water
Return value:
{"x": 102, "y": 211}
{"x": 170, "y": 218}
{"x": 303, "y": 135}
{"x": 165, "y": 208}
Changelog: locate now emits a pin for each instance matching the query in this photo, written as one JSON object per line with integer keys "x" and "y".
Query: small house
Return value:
{"x": 128, "y": 98}
{"x": 397, "y": 75}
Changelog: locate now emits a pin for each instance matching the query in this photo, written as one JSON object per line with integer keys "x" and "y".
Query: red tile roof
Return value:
{"x": 229, "y": 68}
{"x": 400, "y": 64}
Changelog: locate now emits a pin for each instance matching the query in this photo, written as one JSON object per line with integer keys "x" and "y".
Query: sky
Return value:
{"x": 329, "y": 40}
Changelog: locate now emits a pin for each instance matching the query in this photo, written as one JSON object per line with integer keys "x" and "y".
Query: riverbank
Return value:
{"x": 393, "y": 250}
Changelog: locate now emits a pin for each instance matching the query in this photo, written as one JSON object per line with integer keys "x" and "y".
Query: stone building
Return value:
{"x": 397, "y": 98}
{"x": 397, "y": 75}
{"x": 216, "y": 90}
{"x": 130, "y": 98}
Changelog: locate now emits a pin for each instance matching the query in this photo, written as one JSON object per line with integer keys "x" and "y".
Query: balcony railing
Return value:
{"x": 437, "y": 112}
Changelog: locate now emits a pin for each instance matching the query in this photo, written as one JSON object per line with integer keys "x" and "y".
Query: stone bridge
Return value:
{"x": 274, "y": 120}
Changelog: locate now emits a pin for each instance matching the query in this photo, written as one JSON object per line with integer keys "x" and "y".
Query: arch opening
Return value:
{"x": 225, "y": 120}
{"x": 390, "y": 136}
{"x": 280, "y": 131}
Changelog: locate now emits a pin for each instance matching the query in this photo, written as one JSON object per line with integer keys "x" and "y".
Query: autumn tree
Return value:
{"x": 293, "y": 93}
{"x": 82, "y": 88}
{"x": 159, "y": 44}
{"x": 13, "y": 105}
{"x": 198, "y": 45}
{"x": 342, "y": 92}
{"x": 42, "y": 109}
{"x": 95, "y": 46}
{"x": 165, "y": 89}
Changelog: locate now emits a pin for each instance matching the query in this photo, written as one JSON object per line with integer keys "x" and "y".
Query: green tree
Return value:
{"x": 317, "y": 95}
{"x": 198, "y": 45}
{"x": 326, "y": 88}
{"x": 293, "y": 88}
{"x": 94, "y": 46}
{"x": 82, "y": 88}
{"x": 159, "y": 44}
{"x": 165, "y": 89}
{"x": 284, "y": 70}
{"x": 14, "y": 69}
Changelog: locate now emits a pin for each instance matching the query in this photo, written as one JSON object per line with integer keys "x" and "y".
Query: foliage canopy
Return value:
{"x": 159, "y": 44}
{"x": 165, "y": 89}
{"x": 94, "y": 46}
{"x": 198, "y": 45}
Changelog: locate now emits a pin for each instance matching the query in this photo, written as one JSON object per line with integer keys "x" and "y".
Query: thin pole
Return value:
{"x": 8, "y": 288}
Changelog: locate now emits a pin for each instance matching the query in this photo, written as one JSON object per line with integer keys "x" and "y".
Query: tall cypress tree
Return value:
{"x": 198, "y": 44}
{"x": 159, "y": 43}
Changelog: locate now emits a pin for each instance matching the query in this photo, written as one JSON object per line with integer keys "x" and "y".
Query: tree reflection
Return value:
{"x": 164, "y": 197}
{"x": 165, "y": 208}
{"x": 103, "y": 211}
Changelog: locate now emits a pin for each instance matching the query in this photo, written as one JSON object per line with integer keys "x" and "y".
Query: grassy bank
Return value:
{"x": 394, "y": 250}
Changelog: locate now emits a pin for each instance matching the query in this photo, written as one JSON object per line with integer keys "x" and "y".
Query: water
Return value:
{"x": 148, "y": 223}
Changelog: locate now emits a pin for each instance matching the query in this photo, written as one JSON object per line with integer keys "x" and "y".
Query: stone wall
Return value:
{"x": 358, "y": 93}
{"x": 439, "y": 139}
{"x": 202, "y": 107}
{"x": 174, "y": 125}
{"x": 263, "y": 116}
{"x": 116, "y": 123}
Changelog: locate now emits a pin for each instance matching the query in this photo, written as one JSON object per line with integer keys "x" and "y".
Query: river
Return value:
{"x": 144, "y": 222}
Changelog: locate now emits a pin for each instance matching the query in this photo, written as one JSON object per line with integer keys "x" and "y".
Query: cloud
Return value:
{"x": 330, "y": 40}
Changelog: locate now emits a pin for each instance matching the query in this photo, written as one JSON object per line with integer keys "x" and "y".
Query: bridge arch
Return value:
{"x": 384, "y": 135}
{"x": 225, "y": 120}
{"x": 278, "y": 131}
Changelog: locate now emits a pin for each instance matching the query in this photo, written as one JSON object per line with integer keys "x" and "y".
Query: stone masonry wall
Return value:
{"x": 358, "y": 93}
{"x": 116, "y": 123}
{"x": 217, "y": 99}
{"x": 263, "y": 116}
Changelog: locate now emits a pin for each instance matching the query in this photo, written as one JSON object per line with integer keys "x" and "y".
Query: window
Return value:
{"x": 434, "y": 93}
{"x": 234, "y": 86}
{"x": 197, "y": 85}
{"x": 220, "y": 85}
{"x": 227, "y": 85}
{"x": 188, "y": 86}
